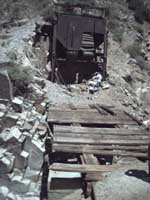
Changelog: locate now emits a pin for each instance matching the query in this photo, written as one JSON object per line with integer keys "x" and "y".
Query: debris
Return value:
{"x": 146, "y": 123}
{"x": 105, "y": 86}
{"x": 20, "y": 185}
{"x": 74, "y": 89}
{"x": 7, "y": 161}
{"x": 3, "y": 192}
{"x": 14, "y": 135}
{"x": 21, "y": 160}
{"x": 32, "y": 174}
{"x": 95, "y": 83}
{"x": 9, "y": 120}
{"x": 17, "y": 104}
{"x": 36, "y": 155}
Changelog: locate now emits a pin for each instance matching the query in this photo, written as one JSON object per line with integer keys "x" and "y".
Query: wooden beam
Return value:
{"x": 124, "y": 153}
{"x": 102, "y": 131}
{"x": 82, "y": 118}
{"x": 100, "y": 137}
{"x": 96, "y": 148}
{"x": 82, "y": 168}
{"x": 77, "y": 140}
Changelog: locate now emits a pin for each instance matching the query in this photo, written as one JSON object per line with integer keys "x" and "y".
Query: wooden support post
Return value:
{"x": 149, "y": 159}
{"x": 53, "y": 54}
{"x": 90, "y": 178}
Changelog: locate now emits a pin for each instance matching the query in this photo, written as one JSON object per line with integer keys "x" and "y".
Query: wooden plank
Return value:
{"x": 105, "y": 152}
{"x": 108, "y": 110}
{"x": 96, "y": 148}
{"x": 102, "y": 131}
{"x": 101, "y": 137}
{"x": 84, "y": 114}
{"x": 90, "y": 159}
{"x": 96, "y": 141}
{"x": 72, "y": 117}
{"x": 82, "y": 168}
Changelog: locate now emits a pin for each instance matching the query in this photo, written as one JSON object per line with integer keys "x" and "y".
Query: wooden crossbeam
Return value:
{"x": 100, "y": 137}
{"x": 82, "y": 168}
{"x": 77, "y": 140}
{"x": 84, "y": 118}
{"x": 96, "y": 148}
{"x": 101, "y": 131}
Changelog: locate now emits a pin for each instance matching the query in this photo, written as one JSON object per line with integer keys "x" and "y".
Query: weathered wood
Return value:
{"x": 76, "y": 140}
{"x": 82, "y": 118}
{"x": 101, "y": 137}
{"x": 102, "y": 112}
{"x": 90, "y": 159}
{"x": 90, "y": 177}
{"x": 82, "y": 168}
{"x": 102, "y": 131}
{"x": 105, "y": 108}
{"x": 96, "y": 148}
{"x": 104, "y": 152}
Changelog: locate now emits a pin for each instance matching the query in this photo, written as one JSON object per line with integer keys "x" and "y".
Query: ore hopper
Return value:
{"x": 78, "y": 44}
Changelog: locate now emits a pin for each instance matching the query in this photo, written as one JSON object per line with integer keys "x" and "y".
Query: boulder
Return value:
{"x": 36, "y": 155}
{"x": 5, "y": 180}
{"x": 7, "y": 161}
{"x": 20, "y": 185}
{"x": 13, "y": 136}
{"x": 31, "y": 174}
{"x": 17, "y": 104}
{"x": 6, "y": 90}
{"x": 21, "y": 160}
{"x": 9, "y": 120}
{"x": 3, "y": 192}
{"x": 2, "y": 110}
{"x": 11, "y": 196}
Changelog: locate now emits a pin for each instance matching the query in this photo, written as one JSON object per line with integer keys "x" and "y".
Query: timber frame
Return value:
{"x": 93, "y": 134}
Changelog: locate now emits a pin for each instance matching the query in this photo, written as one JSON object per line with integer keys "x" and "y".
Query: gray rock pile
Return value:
{"x": 22, "y": 137}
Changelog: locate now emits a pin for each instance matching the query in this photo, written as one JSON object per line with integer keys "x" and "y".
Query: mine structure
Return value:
{"x": 84, "y": 140}
{"x": 77, "y": 42}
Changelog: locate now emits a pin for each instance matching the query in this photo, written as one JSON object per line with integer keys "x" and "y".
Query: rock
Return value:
{"x": 2, "y": 114}
{"x": 125, "y": 160}
{"x": 3, "y": 192}
{"x": 105, "y": 86}
{"x": 9, "y": 120}
{"x": 3, "y": 108}
{"x": 74, "y": 89}
{"x": 7, "y": 161}
{"x": 5, "y": 86}
{"x": 5, "y": 180}
{"x": 132, "y": 61}
{"x": 40, "y": 108}
{"x": 42, "y": 130}
{"x": 17, "y": 104}
{"x": 26, "y": 127}
{"x": 36, "y": 155}
{"x": 11, "y": 196}
{"x": 146, "y": 123}
{"x": 35, "y": 187}
{"x": 27, "y": 144}
{"x": 33, "y": 197}
{"x": 21, "y": 161}
{"x": 32, "y": 174}
{"x": 13, "y": 136}
{"x": 20, "y": 185}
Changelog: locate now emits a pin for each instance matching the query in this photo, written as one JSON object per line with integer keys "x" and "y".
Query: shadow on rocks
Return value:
{"x": 140, "y": 174}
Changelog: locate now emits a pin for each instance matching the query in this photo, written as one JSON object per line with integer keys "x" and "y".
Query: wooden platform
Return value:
{"x": 92, "y": 132}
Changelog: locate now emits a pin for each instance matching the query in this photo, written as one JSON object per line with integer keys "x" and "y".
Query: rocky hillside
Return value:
{"x": 23, "y": 124}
